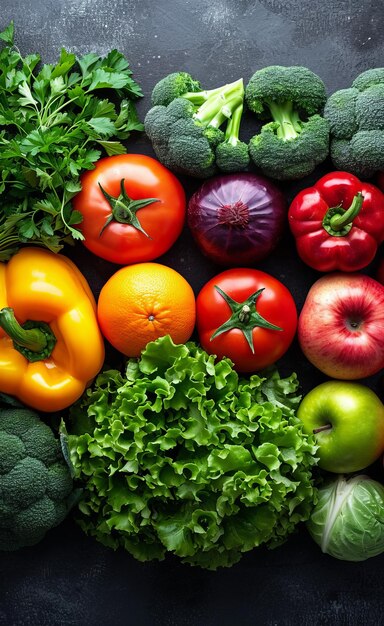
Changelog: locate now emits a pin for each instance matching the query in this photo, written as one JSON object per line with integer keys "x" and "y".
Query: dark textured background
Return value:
{"x": 70, "y": 579}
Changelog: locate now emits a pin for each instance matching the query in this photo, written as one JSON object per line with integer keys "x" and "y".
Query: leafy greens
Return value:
{"x": 348, "y": 519}
{"x": 54, "y": 119}
{"x": 181, "y": 455}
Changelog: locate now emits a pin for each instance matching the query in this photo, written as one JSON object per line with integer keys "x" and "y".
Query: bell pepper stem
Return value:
{"x": 338, "y": 221}
{"x": 34, "y": 340}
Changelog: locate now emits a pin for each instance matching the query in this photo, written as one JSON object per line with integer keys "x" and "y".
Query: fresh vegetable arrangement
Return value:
{"x": 200, "y": 450}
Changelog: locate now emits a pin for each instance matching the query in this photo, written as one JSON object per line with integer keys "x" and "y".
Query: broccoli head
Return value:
{"x": 186, "y": 133}
{"x": 35, "y": 481}
{"x": 296, "y": 139}
{"x": 356, "y": 118}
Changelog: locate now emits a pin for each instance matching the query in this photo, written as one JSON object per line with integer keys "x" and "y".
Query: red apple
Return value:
{"x": 341, "y": 326}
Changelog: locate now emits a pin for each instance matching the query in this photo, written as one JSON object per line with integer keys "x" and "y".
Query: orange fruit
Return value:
{"x": 142, "y": 302}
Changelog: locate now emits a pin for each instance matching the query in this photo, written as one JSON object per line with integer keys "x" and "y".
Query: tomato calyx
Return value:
{"x": 123, "y": 208}
{"x": 244, "y": 316}
{"x": 338, "y": 221}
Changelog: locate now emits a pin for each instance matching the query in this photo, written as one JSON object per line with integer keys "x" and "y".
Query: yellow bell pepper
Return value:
{"x": 50, "y": 342}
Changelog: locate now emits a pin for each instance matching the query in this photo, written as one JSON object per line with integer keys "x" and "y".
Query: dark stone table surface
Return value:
{"x": 69, "y": 579}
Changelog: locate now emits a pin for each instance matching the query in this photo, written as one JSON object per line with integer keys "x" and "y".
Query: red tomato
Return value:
{"x": 113, "y": 225}
{"x": 271, "y": 300}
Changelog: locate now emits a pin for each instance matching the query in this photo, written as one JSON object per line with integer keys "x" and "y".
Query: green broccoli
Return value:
{"x": 177, "y": 85}
{"x": 35, "y": 481}
{"x": 356, "y": 118}
{"x": 232, "y": 154}
{"x": 186, "y": 132}
{"x": 297, "y": 138}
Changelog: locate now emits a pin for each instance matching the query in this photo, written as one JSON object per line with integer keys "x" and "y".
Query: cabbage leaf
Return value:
{"x": 348, "y": 520}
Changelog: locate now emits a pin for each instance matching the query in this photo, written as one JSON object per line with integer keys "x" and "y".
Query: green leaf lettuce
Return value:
{"x": 181, "y": 455}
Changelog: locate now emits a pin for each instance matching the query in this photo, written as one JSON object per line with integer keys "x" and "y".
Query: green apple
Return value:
{"x": 347, "y": 419}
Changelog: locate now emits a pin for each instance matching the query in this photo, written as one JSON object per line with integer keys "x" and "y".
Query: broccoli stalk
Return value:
{"x": 200, "y": 97}
{"x": 182, "y": 85}
{"x": 289, "y": 125}
{"x": 233, "y": 126}
{"x": 232, "y": 155}
{"x": 220, "y": 101}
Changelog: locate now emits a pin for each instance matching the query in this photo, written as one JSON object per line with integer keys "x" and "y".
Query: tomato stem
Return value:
{"x": 244, "y": 316}
{"x": 123, "y": 208}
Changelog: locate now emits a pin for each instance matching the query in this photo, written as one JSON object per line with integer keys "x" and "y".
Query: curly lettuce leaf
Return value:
{"x": 181, "y": 455}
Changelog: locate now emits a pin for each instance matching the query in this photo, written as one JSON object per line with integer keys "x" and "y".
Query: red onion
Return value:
{"x": 237, "y": 219}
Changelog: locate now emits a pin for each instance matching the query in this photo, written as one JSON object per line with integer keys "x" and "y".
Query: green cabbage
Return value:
{"x": 181, "y": 455}
{"x": 348, "y": 520}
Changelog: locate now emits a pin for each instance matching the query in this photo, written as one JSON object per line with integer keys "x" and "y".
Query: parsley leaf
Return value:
{"x": 54, "y": 122}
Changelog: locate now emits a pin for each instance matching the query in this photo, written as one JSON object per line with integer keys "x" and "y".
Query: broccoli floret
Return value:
{"x": 232, "y": 154}
{"x": 277, "y": 85}
{"x": 214, "y": 136}
{"x": 35, "y": 481}
{"x": 297, "y": 139}
{"x": 356, "y": 117}
{"x": 341, "y": 153}
{"x": 369, "y": 108}
{"x": 180, "y": 84}
{"x": 367, "y": 148}
{"x": 374, "y": 76}
{"x": 185, "y": 136}
{"x": 363, "y": 154}
{"x": 173, "y": 86}
{"x": 157, "y": 123}
{"x": 340, "y": 111}
{"x": 291, "y": 159}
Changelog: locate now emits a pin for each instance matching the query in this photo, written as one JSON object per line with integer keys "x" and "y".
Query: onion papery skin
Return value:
{"x": 237, "y": 219}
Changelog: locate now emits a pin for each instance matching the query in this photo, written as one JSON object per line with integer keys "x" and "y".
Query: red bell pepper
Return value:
{"x": 338, "y": 223}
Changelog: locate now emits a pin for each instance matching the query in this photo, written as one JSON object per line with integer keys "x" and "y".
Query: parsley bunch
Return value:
{"x": 53, "y": 121}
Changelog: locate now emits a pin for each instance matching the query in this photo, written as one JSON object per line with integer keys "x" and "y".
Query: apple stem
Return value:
{"x": 322, "y": 428}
